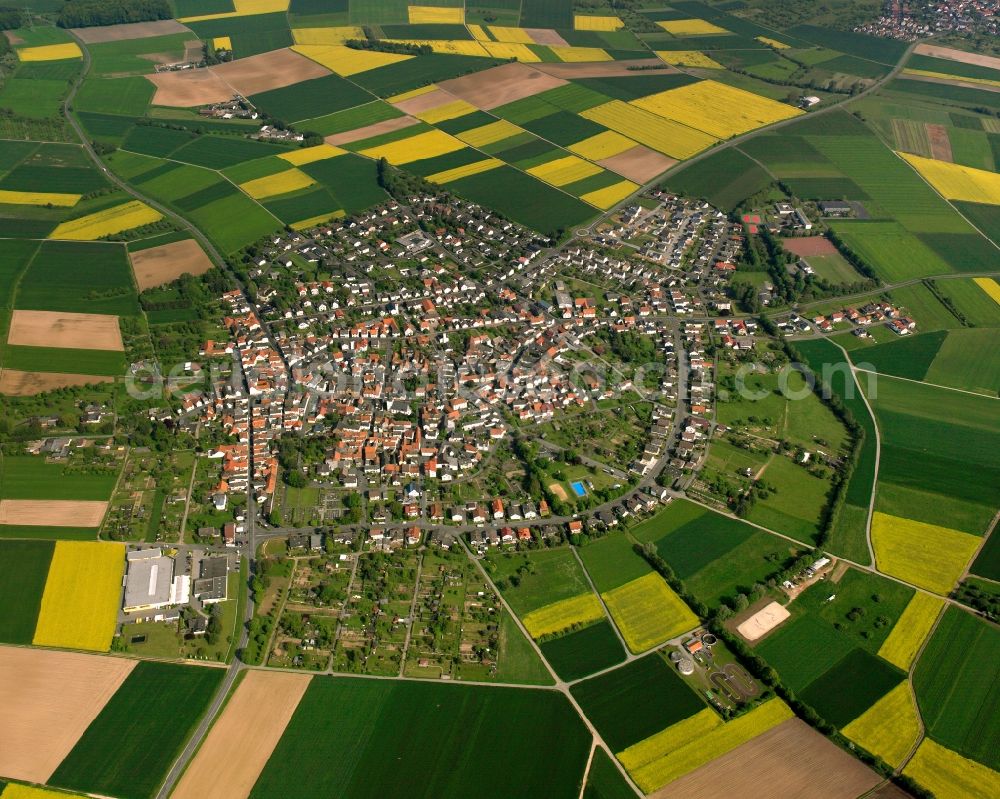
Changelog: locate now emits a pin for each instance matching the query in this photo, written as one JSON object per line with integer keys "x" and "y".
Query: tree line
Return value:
{"x": 91, "y": 13}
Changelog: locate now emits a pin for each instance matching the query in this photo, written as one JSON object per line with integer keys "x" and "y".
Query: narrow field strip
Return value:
{"x": 38, "y": 198}
{"x": 107, "y": 222}
{"x": 563, "y": 615}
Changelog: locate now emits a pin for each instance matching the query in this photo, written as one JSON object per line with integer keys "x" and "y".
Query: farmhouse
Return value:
{"x": 150, "y": 583}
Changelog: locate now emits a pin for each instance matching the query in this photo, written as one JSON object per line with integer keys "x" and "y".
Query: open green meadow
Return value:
{"x": 352, "y": 729}
{"x": 126, "y": 57}
{"x": 611, "y": 562}
{"x": 910, "y": 357}
{"x": 638, "y": 700}
{"x": 127, "y": 750}
{"x": 534, "y": 579}
{"x": 956, "y": 686}
{"x": 583, "y": 652}
{"x": 24, "y": 567}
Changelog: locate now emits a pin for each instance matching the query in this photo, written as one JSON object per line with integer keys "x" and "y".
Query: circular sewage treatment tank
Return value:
{"x": 685, "y": 666}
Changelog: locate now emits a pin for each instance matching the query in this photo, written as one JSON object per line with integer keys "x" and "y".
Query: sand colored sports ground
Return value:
{"x": 47, "y": 701}
{"x": 791, "y": 759}
{"x": 17, "y": 383}
{"x": 159, "y": 265}
{"x": 52, "y": 512}
{"x": 498, "y": 86}
{"x": 368, "y": 131}
{"x": 132, "y": 30}
{"x": 763, "y": 621}
{"x": 638, "y": 163}
{"x": 81, "y": 331}
{"x": 809, "y": 245}
{"x": 243, "y": 739}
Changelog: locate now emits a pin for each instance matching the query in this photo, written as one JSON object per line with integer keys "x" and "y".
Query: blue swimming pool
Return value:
{"x": 578, "y": 488}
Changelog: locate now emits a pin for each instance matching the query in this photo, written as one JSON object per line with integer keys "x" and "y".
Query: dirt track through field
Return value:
{"x": 74, "y": 331}
{"x": 243, "y": 739}
{"x": 52, "y": 512}
{"x": 133, "y": 30}
{"x": 159, "y": 265}
{"x": 498, "y": 86}
{"x": 958, "y": 55}
{"x": 791, "y": 759}
{"x": 368, "y": 131}
{"x": 638, "y": 163}
{"x": 17, "y": 383}
{"x": 47, "y": 701}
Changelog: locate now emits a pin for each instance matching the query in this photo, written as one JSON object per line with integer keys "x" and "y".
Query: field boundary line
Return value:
{"x": 923, "y": 382}
{"x": 586, "y": 769}
{"x": 629, "y": 657}
{"x": 913, "y": 692}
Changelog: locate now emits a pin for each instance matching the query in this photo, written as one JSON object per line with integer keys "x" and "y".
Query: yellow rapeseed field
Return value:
{"x": 648, "y": 612}
{"x": 951, "y": 776}
{"x": 457, "y": 108}
{"x": 903, "y": 643}
{"x": 50, "y": 52}
{"x": 479, "y": 33}
{"x": 563, "y": 615}
{"x": 347, "y": 61}
{"x": 715, "y": 108}
{"x": 104, "y": 223}
{"x": 889, "y": 728}
{"x": 316, "y": 220}
{"x": 772, "y": 43}
{"x": 990, "y": 286}
{"x": 309, "y": 154}
{"x": 423, "y": 145}
{"x": 609, "y": 195}
{"x": 926, "y": 555}
{"x": 244, "y": 8}
{"x": 436, "y": 15}
{"x": 568, "y": 169}
{"x": 503, "y": 34}
{"x": 490, "y": 134}
{"x": 957, "y": 182}
{"x": 602, "y": 145}
{"x": 80, "y": 601}
{"x": 512, "y": 50}
{"x": 697, "y": 751}
{"x": 690, "y": 27}
{"x": 337, "y": 35}
{"x": 16, "y": 791}
{"x": 669, "y": 740}
{"x": 398, "y": 98}
{"x": 580, "y": 54}
{"x": 38, "y": 198}
{"x": 447, "y": 46}
{"x": 584, "y": 23}
{"x": 465, "y": 171}
{"x": 657, "y": 133}
{"x": 688, "y": 58}
{"x": 222, "y": 43}
{"x": 948, "y": 76}
{"x": 281, "y": 183}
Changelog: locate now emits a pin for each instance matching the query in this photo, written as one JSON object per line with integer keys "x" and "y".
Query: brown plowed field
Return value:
{"x": 274, "y": 70}
{"x": 52, "y": 512}
{"x": 809, "y": 245}
{"x": 132, "y": 30}
{"x": 375, "y": 129}
{"x": 501, "y": 85}
{"x": 242, "y": 740}
{"x": 959, "y": 55}
{"x": 965, "y": 84}
{"x": 546, "y": 36}
{"x": 638, "y": 163}
{"x": 791, "y": 760}
{"x": 47, "y": 701}
{"x": 190, "y": 88}
{"x": 71, "y": 331}
{"x": 425, "y": 102}
{"x": 15, "y": 383}
{"x": 940, "y": 143}
{"x": 159, "y": 265}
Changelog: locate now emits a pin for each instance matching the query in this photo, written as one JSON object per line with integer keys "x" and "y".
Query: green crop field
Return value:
{"x": 894, "y": 252}
{"x": 638, "y": 700}
{"x": 547, "y": 14}
{"x": 352, "y": 727}
{"x": 218, "y": 152}
{"x": 886, "y": 51}
{"x": 987, "y": 563}
{"x": 378, "y": 12}
{"x": 154, "y": 140}
{"x": 956, "y": 689}
{"x": 305, "y": 205}
{"x": 910, "y": 357}
{"x": 519, "y": 662}
{"x": 543, "y": 576}
{"x": 24, "y": 566}
{"x": 129, "y": 96}
{"x": 30, "y": 477}
{"x": 414, "y": 73}
{"x": 124, "y": 57}
{"x": 351, "y": 178}
{"x": 611, "y": 562}
{"x": 52, "y": 359}
{"x": 850, "y": 687}
{"x": 985, "y": 217}
{"x": 234, "y": 222}
{"x": 127, "y": 750}
{"x": 971, "y": 301}
{"x": 968, "y": 360}
{"x": 724, "y": 179}
{"x": 604, "y": 781}
{"x": 923, "y": 305}
{"x": 583, "y": 652}
{"x": 70, "y": 179}
{"x": 803, "y": 648}
{"x": 352, "y": 118}
{"x": 311, "y": 98}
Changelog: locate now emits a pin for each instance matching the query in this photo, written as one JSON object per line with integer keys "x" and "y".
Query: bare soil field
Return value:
{"x": 425, "y": 102}
{"x": 189, "y": 88}
{"x": 940, "y": 143}
{"x": 72, "y": 331}
{"x": 159, "y": 265}
{"x": 375, "y": 129}
{"x": 52, "y": 512}
{"x": 13, "y": 38}
{"x": 546, "y": 36}
{"x": 809, "y": 245}
{"x": 638, "y": 163}
{"x": 958, "y": 55}
{"x": 243, "y": 739}
{"x": 888, "y": 791}
{"x": 16, "y": 383}
{"x": 47, "y": 701}
{"x": 763, "y": 621}
{"x": 274, "y": 70}
{"x": 791, "y": 759}
{"x": 965, "y": 84}
{"x": 600, "y": 69}
{"x": 132, "y": 30}
{"x": 498, "y": 86}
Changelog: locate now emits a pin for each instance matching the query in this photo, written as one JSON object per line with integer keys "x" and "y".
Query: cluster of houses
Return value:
{"x": 910, "y": 22}
{"x": 875, "y": 313}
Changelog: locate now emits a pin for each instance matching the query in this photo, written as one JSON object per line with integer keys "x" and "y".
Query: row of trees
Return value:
{"x": 90, "y": 13}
